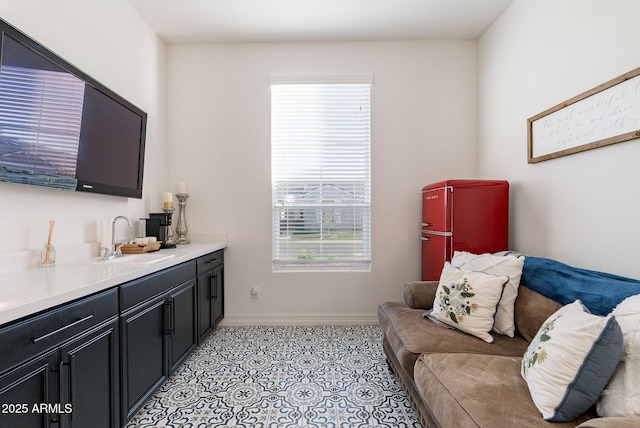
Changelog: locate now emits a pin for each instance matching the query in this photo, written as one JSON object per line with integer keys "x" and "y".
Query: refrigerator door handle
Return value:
{"x": 435, "y": 232}
{"x": 425, "y": 238}
{"x": 426, "y": 224}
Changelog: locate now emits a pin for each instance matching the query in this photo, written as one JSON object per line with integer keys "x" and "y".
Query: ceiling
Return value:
{"x": 240, "y": 21}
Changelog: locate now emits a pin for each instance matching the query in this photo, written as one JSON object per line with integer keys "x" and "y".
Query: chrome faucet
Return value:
{"x": 114, "y": 252}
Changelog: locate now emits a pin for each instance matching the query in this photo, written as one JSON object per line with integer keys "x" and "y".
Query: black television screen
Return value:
{"x": 60, "y": 128}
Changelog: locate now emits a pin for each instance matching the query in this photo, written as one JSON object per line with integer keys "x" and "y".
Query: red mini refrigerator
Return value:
{"x": 462, "y": 215}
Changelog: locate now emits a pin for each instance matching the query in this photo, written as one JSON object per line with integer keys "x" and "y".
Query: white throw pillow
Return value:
{"x": 468, "y": 300}
{"x": 570, "y": 360}
{"x": 508, "y": 265}
{"x": 621, "y": 397}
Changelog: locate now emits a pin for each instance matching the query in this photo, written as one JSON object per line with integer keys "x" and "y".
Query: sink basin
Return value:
{"x": 143, "y": 259}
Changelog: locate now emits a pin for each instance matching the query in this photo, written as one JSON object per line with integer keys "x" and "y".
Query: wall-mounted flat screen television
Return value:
{"x": 59, "y": 128}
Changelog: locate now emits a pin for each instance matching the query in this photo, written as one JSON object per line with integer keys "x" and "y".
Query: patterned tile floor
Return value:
{"x": 283, "y": 377}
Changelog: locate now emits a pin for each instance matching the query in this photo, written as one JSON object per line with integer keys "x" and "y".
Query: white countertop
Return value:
{"x": 26, "y": 292}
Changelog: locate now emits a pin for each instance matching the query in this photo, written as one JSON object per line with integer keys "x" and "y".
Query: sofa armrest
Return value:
{"x": 420, "y": 294}
{"x": 612, "y": 422}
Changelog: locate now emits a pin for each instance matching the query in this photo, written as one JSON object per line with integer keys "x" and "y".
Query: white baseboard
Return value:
{"x": 243, "y": 320}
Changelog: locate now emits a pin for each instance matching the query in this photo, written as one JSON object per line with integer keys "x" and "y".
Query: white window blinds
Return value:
{"x": 321, "y": 180}
{"x": 40, "y": 116}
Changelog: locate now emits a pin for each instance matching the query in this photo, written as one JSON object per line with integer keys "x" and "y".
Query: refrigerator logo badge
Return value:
{"x": 428, "y": 197}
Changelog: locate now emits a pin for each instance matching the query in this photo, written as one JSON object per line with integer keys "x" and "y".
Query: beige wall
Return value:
{"x": 109, "y": 41}
{"x": 582, "y": 209}
{"x": 423, "y": 130}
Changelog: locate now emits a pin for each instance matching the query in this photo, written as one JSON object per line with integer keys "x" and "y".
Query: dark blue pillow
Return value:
{"x": 599, "y": 292}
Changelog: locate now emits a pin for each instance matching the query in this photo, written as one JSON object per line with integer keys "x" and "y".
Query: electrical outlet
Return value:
{"x": 255, "y": 292}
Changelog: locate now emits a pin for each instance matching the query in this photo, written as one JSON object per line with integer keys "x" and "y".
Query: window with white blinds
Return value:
{"x": 321, "y": 179}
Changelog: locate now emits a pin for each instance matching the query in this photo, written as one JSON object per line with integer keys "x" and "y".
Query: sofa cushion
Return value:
{"x": 420, "y": 294}
{"x": 621, "y": 397}
{"x": 531, "y": 310}
{"x": 410, "y": 335}
{"x": 494, "y": 264}
{"x": 468, "y": 300}
{"x": 570, "y": 361}
{"x": 471, "y": 390}
{"x": 612, "y": 422}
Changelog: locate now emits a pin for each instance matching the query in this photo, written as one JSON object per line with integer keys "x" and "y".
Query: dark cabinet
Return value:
{"x": 182, "y": 324}
{"x": 143, "y": 343}
{"x": 158, "y": 329}
{"x": 61, "y": 368}
{"x": 217, "y": 276}
{"x": 30, "y": 384}
{"x": 210, "y": 292}
{"x": 91, "y": 364}
{"x": 94, "y": 362}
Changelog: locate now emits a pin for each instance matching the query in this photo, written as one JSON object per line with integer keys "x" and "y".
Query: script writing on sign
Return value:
{"x": 607, "y": 114}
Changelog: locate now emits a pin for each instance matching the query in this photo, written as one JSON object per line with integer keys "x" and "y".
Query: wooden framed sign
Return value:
{"x": 605, "y": 115}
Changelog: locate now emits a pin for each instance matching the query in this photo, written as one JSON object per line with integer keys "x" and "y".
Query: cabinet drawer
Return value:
{"x": 152, "y": 285}
{"x": 210, "y": 261}
{"x": 34, "y": 335}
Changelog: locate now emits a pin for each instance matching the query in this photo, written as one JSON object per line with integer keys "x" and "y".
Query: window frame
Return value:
{"x": 359, "y": 203}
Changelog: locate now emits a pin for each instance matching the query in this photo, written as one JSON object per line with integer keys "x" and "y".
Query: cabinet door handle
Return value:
{"x": 213, "y": 290}
{"x": 169, "y": 316}
{"x": 72, "y": 382}
{"x": 38, "y": 339}
{"x": 173, "y": 316}
{"x": 61, "y": 385}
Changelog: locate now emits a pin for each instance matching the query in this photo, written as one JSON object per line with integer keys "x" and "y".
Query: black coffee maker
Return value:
{"x": 159, "y": 225}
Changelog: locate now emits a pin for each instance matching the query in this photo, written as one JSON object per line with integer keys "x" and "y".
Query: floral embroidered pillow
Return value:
{"x": 495, "y": 264}
{"x": 468, "y": 300}
{"x": 570, "y": 360}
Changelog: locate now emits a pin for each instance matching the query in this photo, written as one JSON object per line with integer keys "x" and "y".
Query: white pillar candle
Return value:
{"x": 182, "y": 187}
{"x": 168, "y": 200}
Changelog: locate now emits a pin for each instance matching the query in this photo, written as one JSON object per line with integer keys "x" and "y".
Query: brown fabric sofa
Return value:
{"x": 456, "y": 380}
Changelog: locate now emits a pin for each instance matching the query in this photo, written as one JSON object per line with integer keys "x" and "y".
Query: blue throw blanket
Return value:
{"x": 599, "y": 292}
